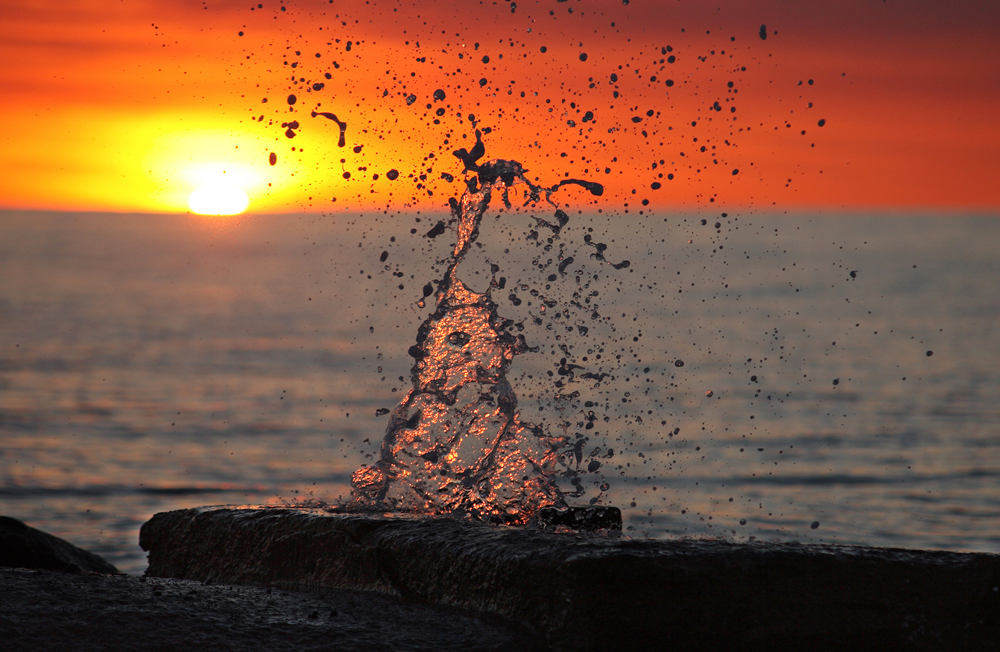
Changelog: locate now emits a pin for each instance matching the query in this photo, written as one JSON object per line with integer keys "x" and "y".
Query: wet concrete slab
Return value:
{"x": 596, "y": 592}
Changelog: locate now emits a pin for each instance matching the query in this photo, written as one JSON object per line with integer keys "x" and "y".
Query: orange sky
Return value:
{"x": 133, "y": 105}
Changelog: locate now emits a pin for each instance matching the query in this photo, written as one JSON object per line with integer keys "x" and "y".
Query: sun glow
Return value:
{"x": 209, "y": 172}
{"x": 218, "y": 199}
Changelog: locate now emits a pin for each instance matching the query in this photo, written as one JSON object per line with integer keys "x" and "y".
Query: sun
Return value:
{"x": 218, "y": 199}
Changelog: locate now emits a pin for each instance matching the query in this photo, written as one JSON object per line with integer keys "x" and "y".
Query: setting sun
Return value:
{"x": 218, "y": 199}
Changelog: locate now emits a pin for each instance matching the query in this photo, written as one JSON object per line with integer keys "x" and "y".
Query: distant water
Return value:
{"x": 150, "y": 363}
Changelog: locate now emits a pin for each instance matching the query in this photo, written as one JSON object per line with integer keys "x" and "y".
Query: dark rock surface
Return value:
{"x": 585, "y": 592}
{"x": 44, "y": 610}
{"x": 22, "y": 546}
{"x": 580, "y": 519}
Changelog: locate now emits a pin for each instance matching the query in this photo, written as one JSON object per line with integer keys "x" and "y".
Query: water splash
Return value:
{"x": 456, "y": 442}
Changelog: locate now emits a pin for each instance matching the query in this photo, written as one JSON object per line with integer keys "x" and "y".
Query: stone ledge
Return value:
{"x": 586, "y": 592}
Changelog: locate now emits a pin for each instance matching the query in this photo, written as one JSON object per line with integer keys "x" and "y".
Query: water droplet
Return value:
{"x": 456, "y": 440}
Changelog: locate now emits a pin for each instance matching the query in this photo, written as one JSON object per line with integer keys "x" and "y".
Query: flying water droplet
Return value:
{"x": 456, "y": 442}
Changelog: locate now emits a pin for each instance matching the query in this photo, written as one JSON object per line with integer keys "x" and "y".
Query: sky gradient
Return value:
{"x": 130, "y": 106}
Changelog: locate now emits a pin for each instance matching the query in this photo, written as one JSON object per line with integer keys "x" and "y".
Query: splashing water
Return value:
{"x": 456, "y": 443}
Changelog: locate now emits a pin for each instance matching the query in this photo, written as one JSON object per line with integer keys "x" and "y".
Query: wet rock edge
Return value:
{"x": 590, "y": 592}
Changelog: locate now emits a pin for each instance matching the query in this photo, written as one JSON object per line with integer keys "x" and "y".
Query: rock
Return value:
{"x": 22, "y": 546}
{"x": 586, "y": 592}
{"x": 45, "y": 611}
{"x": 581, "y": 519}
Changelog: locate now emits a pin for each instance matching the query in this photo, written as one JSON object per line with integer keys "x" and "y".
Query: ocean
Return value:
{"x": 818, "y": 378}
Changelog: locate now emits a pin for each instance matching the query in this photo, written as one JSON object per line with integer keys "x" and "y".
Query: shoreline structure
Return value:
{"x": 593, "y": 592}
{"x": 297, "y": 578}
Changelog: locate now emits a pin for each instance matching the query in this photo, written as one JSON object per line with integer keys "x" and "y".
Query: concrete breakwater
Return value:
{"x": 593, "y": 592}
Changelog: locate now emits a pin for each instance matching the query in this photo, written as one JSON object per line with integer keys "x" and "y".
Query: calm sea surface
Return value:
{"x": 840, "y": 378}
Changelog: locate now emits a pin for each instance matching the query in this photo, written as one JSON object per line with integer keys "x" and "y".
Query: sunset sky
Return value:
{"x": 133, "y": 105}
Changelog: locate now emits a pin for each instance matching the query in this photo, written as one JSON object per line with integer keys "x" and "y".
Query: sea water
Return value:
{"x": 824, "y": 378}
